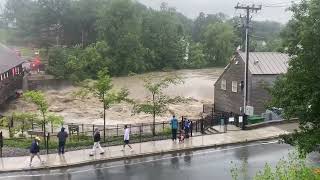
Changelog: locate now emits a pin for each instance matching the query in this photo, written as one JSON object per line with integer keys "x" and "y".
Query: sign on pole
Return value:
{"x": 249, "y": 110}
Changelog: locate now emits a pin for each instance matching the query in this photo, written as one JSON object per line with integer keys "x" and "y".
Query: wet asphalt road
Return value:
{"x": 194, "y": 165}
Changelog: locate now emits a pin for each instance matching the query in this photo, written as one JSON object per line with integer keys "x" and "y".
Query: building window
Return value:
{"x": 234, "y": 86}
{"x": 224, "y": 84}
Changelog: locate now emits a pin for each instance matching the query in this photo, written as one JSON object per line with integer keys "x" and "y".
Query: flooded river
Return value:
{"x": 198, "y": 87}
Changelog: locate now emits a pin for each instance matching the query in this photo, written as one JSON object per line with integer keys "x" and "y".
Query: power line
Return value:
{"x": 248, "y": 9}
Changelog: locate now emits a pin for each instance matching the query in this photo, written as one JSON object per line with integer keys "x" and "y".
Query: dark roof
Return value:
{"x": 267, "y": 62}
{"x": 8, "y": 59}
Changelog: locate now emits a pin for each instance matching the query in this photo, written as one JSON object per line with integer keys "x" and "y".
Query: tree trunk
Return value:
{"x": 104, "y": 119}
{"x": 104, "y": 124}
{"x": 44, "y": 129}
{"x": 154, "y": 116}
{"x": 51, "y": 127}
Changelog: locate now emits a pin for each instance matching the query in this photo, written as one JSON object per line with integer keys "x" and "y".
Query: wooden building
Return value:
{"x": 264, "y": 67}
{"x": 11, "y": 73}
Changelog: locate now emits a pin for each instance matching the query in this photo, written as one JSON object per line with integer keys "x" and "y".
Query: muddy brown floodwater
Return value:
{"x": 198, "y": 86}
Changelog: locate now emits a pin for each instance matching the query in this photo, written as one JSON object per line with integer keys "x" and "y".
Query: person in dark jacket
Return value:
{"x": 35, "y": 149}
{"x": 62, "y": 137}
{"x": 96, "y": 144}
{"x": 186, "y": 127}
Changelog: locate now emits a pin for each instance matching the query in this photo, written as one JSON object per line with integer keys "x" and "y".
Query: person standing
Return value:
{"x": 62, "y": 137}
{"x": 126, "y": 138}
{"x": 191, "y": 127}
{"x": 186, "y": 128}
{"x": 174, "y": 127}
{"x": 96, "y": 144}
{"x": 35, "y": 149}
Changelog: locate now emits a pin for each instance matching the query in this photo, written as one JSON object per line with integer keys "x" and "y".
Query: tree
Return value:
{"x": 218, "y": 43}
{"x": 298, "y": 91}
{"x": 38, "y": 99}
{"x": 6, "y": 123}
{"x": 102, "y": 89}
{"x": 55, "y": 121}
{"x": 23, "y": 121}
{"x": 158, "y": 102}
{"x": 196, "y": 58}
{"x": 293, "y": 168}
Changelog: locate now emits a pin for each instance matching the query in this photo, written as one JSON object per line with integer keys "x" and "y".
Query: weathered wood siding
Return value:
{"x": 259, "y": 96}
{"x": 9, "y": 86}
{"x": 226, "y": 100}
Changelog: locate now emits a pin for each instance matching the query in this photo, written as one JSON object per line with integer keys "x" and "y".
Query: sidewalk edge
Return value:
{"x": 104, "y": 160}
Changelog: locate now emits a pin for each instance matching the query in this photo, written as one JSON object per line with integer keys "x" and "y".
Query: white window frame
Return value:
{"x": 224, "y": 84}
{"x": 234, "y": 86}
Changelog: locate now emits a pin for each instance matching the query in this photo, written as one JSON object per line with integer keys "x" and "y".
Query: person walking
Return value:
{"x": 174, "y": 127}
{"x": 126, "y": 138}
{"x": 62, "y": 137}
{"x": 96, "y": 144}
{"x": 34, "y": 150}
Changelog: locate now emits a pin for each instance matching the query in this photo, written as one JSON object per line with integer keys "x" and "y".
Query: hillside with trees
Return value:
{"x": 80, "y": 38}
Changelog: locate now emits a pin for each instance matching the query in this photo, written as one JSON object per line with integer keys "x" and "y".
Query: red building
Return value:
{"x": 11, "y": 73}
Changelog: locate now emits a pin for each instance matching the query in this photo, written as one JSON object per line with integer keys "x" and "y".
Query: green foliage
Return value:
{"x": 102, "y": 89}
{"x": 55, "y": 120}
{"x": 84, "y": 37}
{"x": 23, "y": 121}
{"x": 158, "y": 102}
{"x": 196, "y": 57}
{"x": 37, "y": 98}
{"x": 298, "y": 91}
{"x": 57, "y": 62}
{"x": 4, "y": 122}
{"x": 293, "y": 168}
{"x": 219, "y": 43}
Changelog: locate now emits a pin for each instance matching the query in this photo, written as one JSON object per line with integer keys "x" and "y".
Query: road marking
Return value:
{"x": 144, "y": 162}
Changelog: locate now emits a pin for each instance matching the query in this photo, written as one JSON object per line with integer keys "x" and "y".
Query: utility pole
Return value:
{"x": 248, "y": 9}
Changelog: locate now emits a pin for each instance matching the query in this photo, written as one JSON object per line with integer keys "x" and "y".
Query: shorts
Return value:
{"x": 126, "y": 141}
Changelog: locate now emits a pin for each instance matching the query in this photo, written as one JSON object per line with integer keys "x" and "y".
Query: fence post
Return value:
{"x": 140, "y": 131}
{"x": 78, "y": 134}
{"x": 201, "y": 126}
{"x": 117, "y": 130}
{"x": 93, "y": 130}
{"x": 1, "y": 143}
{"x": 163, "y": 127}
{"x": 47, "y": 142}
{"x": 82, "y": 127}
{"x": 197, "y": 126}
{"x": 212, "y": 119}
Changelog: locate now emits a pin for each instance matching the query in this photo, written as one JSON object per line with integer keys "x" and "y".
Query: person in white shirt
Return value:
{"x": 126, "y": 138}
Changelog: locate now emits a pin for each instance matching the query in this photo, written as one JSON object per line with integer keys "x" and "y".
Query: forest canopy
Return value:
{"x": 124, "y": 36}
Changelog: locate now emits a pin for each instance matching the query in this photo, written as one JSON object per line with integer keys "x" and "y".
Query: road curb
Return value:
{"x": 134, "y": 156}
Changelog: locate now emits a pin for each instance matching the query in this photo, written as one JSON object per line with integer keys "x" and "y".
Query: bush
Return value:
{"x": 294, "y": 168}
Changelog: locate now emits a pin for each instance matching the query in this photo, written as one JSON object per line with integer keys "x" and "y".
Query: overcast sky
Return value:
{"x": 271, "y": 9}
{"x": 192, "y": 8}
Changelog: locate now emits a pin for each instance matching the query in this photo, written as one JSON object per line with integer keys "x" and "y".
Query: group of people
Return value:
{"x": 185, "y": 129}
{"x": 184, "y": 132}
{"x": 62, "y": 138}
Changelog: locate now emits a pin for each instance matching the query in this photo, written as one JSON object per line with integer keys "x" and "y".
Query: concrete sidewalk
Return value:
{"x": 82, "y": 157}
